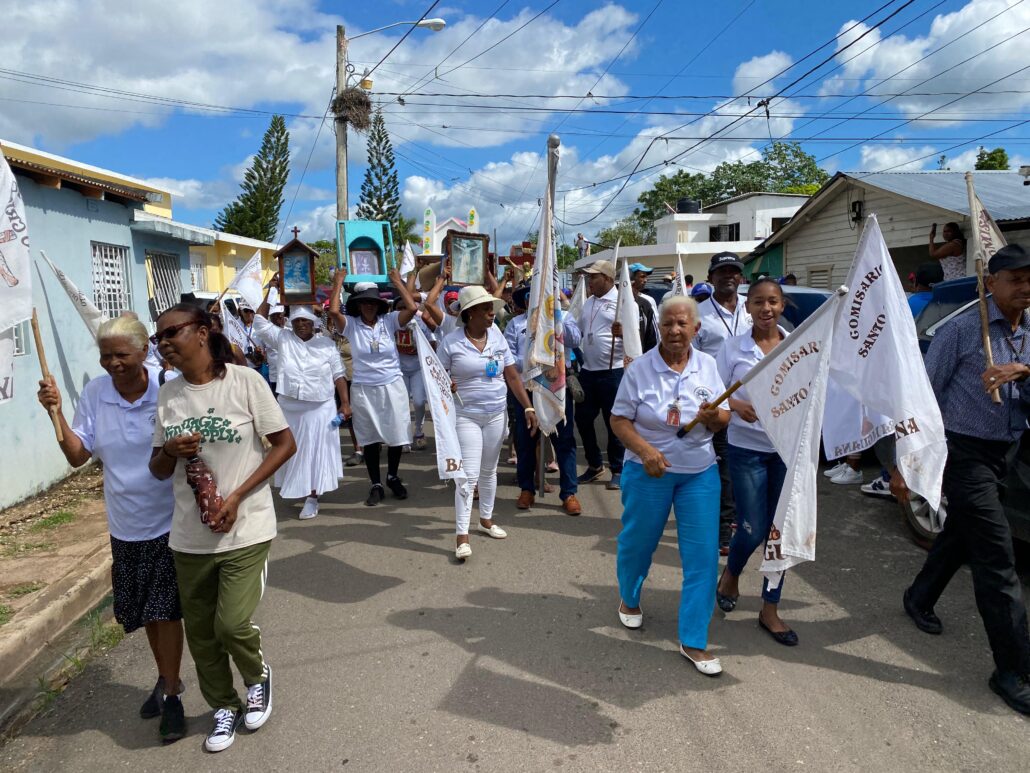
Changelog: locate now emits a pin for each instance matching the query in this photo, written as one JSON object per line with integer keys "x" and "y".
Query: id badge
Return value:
{"x": 493, "y": 368}
{"x": 672, "y": 418}
{"x": 375, "y": 345}
{"x": 590, "y": 339}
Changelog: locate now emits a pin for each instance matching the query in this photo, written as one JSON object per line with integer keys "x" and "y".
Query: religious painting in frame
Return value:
{"x": 468, "y": 257}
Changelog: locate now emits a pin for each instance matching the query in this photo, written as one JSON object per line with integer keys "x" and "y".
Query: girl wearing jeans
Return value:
{"x": 480, "y": 364}
{"x": 756, "y": 469}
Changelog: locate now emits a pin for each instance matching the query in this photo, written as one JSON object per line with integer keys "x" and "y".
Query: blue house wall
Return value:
{"x": 63, "y": 223}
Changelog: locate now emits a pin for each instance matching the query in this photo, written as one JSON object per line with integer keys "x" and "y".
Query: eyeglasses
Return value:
{"x": 169, "y": 332}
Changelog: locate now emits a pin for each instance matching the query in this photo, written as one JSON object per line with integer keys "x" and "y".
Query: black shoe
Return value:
{"x": 925, "y": 620}
{"x": 1013, "y": 688}
{"x": 395, "y": 485}
{"x": 787, "y": 638}
{"x": 726, "y": 603}
{"x": 592, "y": 474}
{"x": 376, "y": 494}
{"x": 173, "y": 720}
{"x": 151, "y": 707}
{"x": 227, "y": 722}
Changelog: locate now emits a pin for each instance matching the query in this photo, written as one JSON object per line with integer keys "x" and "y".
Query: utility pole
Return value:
{"x": 341, "y": 125}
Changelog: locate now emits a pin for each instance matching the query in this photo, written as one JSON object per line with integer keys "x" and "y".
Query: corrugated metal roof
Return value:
{"x": 1002, "y": 193}
{"x": 135, "y": 194}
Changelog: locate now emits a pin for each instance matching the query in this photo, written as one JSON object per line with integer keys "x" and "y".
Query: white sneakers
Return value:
{"x": 847, "y": 477}
{"x": 310, "y": 509}
{"x": 880, "y": 487}
{"x": 831, "y": 471}
{"x": 494, "y": 531}
{"x": 463, "y": 551}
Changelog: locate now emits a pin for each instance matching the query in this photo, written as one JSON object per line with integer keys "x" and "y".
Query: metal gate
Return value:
{"x": 164, "y": 279}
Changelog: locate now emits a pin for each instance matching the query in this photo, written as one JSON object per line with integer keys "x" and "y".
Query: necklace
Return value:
{"x": 475, "y": 340}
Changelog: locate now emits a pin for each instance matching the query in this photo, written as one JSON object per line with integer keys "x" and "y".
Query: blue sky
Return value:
{"x": 474, "y": 149}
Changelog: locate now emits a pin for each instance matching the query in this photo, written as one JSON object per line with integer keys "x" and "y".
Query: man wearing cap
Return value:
{"x": 601, "y": 373}
{"x": 982, "y": 437}
{"x": 638, "y": 274}
{"x": 723, "y": 316}
{"x": 648, "y": 309}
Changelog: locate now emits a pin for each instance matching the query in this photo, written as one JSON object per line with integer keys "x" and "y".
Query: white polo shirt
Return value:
{"x": 718, "y": 324}
{"x": 650, "y": 388}
{"x": 307, "y": 370}
{"x": 595, "y": 322}
{"x": 373, "y": 349}
{"x": 405, "y": 339}
{"x": 480, "y": 393}
{"x": 119, "y": 434}
{"x": 736, "y": 358}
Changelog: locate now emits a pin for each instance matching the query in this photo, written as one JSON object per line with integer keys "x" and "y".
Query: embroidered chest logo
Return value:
{"x": 703, "y": 394}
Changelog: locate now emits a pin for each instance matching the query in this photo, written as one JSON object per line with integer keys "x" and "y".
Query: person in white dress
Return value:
{"x": 378, "y": 395}
{"x": 482, "y": 369}
{"x": 309, "y": 371}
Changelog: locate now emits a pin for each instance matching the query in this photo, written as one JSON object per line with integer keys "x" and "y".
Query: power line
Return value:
{"x": 304, "y": 171}
{"x": 651, "y": 97}
{"x": 408, "y": 31}
{"x": 945, "y": 150}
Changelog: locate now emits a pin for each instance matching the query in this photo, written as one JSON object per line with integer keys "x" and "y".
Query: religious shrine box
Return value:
{"x": 296, "y": 272}
{"x": 467, "y": 258}
{"x": 365, "y": 250}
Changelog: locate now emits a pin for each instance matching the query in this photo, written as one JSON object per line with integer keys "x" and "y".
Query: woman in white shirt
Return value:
{"x": 755, "y": 468}
{"x": 660, "y": 392}
{"x": 411, "y": 368}
{"x": 114, "y": 422}
{"x": 482, "y": 369}
{"x": 309, "y": 371}
{"x": 378, "y": 397}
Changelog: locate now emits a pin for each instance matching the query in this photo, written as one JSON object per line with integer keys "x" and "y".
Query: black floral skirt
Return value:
{"x": 143, "y": 582}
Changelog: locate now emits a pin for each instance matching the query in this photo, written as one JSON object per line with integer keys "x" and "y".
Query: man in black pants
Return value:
{"x": 982, "y": 438}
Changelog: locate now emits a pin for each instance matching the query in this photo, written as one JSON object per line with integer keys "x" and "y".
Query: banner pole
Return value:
{"x": 46, "y": 372}
{"x": 984, "y": 330}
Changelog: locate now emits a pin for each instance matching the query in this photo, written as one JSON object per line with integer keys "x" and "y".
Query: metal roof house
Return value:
{"x": 819, "y": 241}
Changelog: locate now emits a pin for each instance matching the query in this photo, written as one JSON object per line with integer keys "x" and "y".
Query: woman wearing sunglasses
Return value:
{"x": 114, "y": 422}
{"x": 220, "y": 412}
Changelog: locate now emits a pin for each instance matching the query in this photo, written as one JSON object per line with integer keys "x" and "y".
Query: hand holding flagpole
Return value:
{"x": 46, "y": 374}
{"x": 987, "y": 240}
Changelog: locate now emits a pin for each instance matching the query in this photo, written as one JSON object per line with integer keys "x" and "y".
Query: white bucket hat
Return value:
{"x": 475, "y": 295}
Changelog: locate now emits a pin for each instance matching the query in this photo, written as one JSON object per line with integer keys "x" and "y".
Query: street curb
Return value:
{"x": 54, "y": 612}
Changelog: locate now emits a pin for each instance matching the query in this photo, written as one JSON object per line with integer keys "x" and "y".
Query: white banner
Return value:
{"x": 15, "y": 276}
{"x": 247, "y": 281}
{"x": 848, "y": 426}
{"x": 986, "y": 237}
{"x": 876, "y": 358}
{"x": 234, "y": 330}
{"x": 441, "y": 406}
{"x": 627, "y": 313}
{"x": 7, "y": 365}
{"x": 787, "y": 389}
{"x": 579, "y": 297}
{"x": 407, "y": 261}
{"x": 91, "y": 315}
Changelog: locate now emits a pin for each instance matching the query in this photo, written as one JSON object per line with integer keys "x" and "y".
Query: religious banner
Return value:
{"x": 7, "y": 365}
{"x": 15, "y": 276}
{"x": 247, "y": 281}
{"x": 441, "y": 406}
{"x": 628, "y": 315}
{"x": 91, "y": 315}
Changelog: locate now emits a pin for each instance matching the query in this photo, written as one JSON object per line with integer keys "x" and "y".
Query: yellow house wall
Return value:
{"x": 220, "y": 262}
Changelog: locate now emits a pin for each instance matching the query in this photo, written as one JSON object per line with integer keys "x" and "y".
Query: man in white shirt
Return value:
{"x": 601, "y": 373}
{"x": 723, "y": 315}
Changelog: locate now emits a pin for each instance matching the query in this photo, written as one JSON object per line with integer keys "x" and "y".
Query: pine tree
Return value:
{"x": 255, "y": 212}
{"x": 380, "y": 196}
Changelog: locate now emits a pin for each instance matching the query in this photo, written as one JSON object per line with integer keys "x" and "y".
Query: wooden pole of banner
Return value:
{"x": 984, "y": 334}
{"x": 46, "y": 373}
{"x": 724, "y": 396}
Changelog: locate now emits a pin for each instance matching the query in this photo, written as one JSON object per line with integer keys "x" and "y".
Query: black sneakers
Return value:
{"x": 173, "y": 720}
{"x": 259, "y": 702}
{"x": 151, "y": 707}
{"x": 1013, "y": 688}
{"x": 395, "y": 485}
{"x": 227, "y": 722}
{"x": 925, "y": 620}
{"x": 376, "y": 494}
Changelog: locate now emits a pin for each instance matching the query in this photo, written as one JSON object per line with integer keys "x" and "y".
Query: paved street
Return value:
{"x": 389, "y": 656}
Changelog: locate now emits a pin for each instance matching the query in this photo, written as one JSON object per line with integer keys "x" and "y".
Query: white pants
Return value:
{"x": 481, "y": 437}
{"x": 417, "y": 390}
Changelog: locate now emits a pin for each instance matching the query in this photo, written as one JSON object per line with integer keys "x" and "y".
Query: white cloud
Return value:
{"x": 896, "y": 158}
{"x": 194, "y": 194}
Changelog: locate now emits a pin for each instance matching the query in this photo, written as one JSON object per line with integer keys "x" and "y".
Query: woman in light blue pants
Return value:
{"x": 660, "y": 392}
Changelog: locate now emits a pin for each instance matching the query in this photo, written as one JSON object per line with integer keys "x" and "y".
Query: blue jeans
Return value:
{"x": 599, "y": 390}
{"x": 646, "y": 503}
{"x": 757, "y": 482}
{"x": 564, "y": 441}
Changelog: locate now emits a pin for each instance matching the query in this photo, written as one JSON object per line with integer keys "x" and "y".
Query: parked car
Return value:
{"x": 949, "y": 300}
{"x": 801, "y": 301}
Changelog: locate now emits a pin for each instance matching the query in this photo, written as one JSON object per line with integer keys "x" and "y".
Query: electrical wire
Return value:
{"x": 411, "y": 28}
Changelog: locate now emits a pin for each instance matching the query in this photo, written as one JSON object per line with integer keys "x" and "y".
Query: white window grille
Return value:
{"x": 163, "y": 270}
{"x": 112, "y": 286}
{"x": 197, "y": 272}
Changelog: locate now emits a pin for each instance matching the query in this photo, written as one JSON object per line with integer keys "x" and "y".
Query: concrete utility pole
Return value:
{"x": 341, "y": 126}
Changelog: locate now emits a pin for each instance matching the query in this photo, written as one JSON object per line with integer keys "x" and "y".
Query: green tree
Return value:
{"x": 567, "y": 255}
{"x": 407, "y": 229}
{"x": 992, "y": 159}
{"x": 255, "y": 212}
{"x": 326, "y": 249}
{"x": 628, "y": 229}
{"x": 380, "y": 192}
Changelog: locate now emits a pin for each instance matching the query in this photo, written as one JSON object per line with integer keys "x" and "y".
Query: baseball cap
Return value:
{"x": 601, "y": 267}
{"x": 722, "y": 259}
{"x": 1009, "y": 258}
{"x": 450, "y": 296}
{"x": 635, "y": 267}
{"x": 701, "y": 288}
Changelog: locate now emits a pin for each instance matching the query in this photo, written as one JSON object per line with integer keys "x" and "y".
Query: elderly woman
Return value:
{"x": 660, "y": 392}
{"x": 480, "y": 364}
{"x": 114, "y": 423}
{"x": 379, "y": 399}
{"x": 755, "y": 468}
{"x": 309, "y": 370}
{"x": 219, "y": 413}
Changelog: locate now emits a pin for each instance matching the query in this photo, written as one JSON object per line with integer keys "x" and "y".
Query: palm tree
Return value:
{"x": 407, "y": 230}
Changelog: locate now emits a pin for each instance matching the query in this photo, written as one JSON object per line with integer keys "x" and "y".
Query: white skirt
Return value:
{"x": 381, "y": 413}
{"x": 317, "y": 466}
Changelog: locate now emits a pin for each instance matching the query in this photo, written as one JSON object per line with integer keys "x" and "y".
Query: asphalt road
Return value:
{"x": 390, "y": 656}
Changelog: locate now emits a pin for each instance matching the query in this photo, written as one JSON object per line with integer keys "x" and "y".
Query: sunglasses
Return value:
{"x": 169, "y": 332}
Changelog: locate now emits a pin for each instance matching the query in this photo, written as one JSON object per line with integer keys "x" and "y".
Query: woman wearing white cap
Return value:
{"x": 309, "y": 369}
{"x": 377, "y": 385}
{"x": 477, "y": 357}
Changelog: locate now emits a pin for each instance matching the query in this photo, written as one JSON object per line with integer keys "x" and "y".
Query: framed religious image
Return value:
{"x": 364, "y": 262}
{"x": 296, "y": 272}
{"x": 467, "y": 256}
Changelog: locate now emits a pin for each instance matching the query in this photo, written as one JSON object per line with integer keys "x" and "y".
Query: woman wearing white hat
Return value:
{"x": 377, "y": 385}
{"x": 477, "y": 356}
{"x": 309, "y": 369}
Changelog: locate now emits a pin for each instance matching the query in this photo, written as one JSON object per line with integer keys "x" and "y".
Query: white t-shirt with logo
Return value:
{"x": 481, "y": 392}
{"x": 373, "y": 349}
{"x": 736, "y": 359}
{"x": 650, "y": 389}
{"x": 232, "y": 414}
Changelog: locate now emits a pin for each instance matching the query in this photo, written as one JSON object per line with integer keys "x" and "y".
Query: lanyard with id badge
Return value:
{"x": 493, "y": 365}
{"x": 674, "y": 413}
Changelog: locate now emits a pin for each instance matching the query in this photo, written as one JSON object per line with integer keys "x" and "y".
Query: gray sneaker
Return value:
{"x": 354, "y": 459}
{"x": 615, "y": 483}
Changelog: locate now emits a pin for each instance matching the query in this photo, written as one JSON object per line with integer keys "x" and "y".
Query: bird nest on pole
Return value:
{"x": 354, "y": 106}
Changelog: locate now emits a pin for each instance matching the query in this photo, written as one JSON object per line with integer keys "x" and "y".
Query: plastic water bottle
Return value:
{"x": 336, "y": 422}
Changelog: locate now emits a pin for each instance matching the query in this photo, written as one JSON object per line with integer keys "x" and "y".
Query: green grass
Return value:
{"x": 25, "y": 589}
{"x": 6, "y": 613}
{"x": 60, "y": 518}
{"x": 102, "y": 635}
{"x": 13, "y": 549}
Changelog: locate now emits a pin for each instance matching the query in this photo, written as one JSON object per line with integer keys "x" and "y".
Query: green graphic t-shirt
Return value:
{"x": 232, "y": 414}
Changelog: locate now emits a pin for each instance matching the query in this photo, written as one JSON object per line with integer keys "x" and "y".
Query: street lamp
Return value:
{"x": 343, "y": 74}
